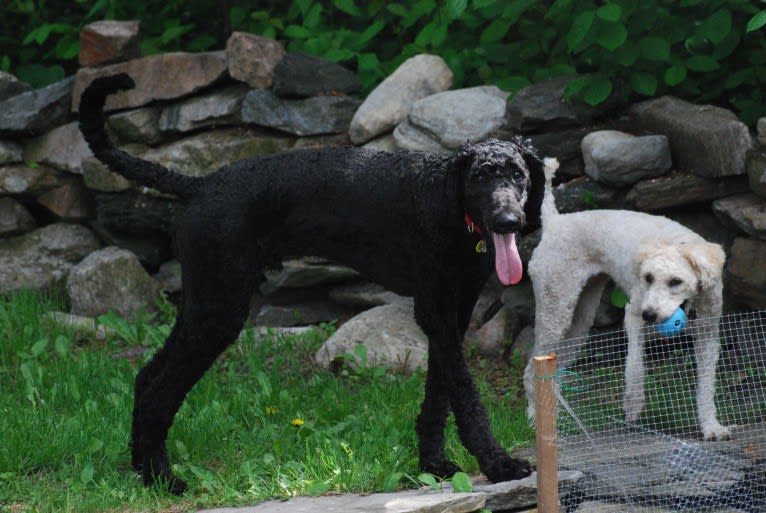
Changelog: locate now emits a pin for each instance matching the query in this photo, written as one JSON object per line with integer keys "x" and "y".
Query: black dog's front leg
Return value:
{"x": 432, "y": 421}
{"x": 449, "y": 372}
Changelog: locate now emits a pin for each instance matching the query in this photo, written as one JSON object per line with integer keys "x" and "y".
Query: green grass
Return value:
{"x": 66, "y": 397}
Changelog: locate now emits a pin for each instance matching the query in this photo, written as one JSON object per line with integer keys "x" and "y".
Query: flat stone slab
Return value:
{"x": 510, "y": 495}
{"x": 404, "y": 502}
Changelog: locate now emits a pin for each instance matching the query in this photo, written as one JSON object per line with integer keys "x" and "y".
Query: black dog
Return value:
{"x": 399, "y": 218}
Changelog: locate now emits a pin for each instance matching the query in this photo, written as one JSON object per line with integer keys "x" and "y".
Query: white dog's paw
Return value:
{"x": 715, "y": 431}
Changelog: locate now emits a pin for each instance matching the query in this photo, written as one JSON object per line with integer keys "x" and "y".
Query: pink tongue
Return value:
{"x": 507, "y": 259}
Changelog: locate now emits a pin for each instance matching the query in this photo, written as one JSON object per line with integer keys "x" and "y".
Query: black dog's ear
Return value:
{"x": 537, "y": 184}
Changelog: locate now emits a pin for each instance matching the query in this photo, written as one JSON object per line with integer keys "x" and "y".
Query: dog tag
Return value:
{"x": 481, "y": 246}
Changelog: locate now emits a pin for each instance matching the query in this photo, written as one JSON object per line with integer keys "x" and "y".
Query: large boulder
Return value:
{"x": 705, "y": 140}
{"x": 111, "y": 279}
{"x": 388, "y": 104}
{"x": 389, "y": 334}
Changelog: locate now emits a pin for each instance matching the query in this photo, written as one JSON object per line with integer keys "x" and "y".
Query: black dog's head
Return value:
{"x": 502, "y": 186}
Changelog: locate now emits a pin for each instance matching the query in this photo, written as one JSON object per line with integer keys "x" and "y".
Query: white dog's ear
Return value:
{"x": 707, "y": 259}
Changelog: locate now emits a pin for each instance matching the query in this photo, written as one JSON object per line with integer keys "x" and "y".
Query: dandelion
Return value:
{"x": 297, "y": 422}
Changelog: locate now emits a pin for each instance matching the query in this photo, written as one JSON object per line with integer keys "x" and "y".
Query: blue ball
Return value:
{"x": 674, "y": 324}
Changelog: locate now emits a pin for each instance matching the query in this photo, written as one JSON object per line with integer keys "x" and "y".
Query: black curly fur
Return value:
{"x": 395, "y": 217}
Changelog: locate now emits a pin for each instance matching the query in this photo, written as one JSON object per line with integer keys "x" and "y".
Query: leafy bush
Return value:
{"x": 704, "y": 51}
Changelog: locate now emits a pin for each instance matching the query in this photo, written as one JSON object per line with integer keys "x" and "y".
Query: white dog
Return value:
{"x": 658, "y": 262}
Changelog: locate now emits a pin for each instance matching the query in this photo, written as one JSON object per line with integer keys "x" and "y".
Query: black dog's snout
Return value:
{"x": 507, "y": 223}
{"x": 649, "y": 315}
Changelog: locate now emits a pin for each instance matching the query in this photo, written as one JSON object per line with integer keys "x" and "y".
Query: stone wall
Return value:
{"x": 194, "y": 113}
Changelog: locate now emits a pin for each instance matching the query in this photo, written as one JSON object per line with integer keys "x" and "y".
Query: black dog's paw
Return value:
{"x": 166, "y": 480}
{"x": 505, "y": 468}
{"x": 156, "y": 471}
{"x": 441, "y": 469}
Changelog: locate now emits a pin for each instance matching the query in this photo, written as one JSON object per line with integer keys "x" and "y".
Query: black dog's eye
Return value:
{"x": 675, "y": 282}
{"x": 649, "y": 279}
{"x": 517, "y": 175}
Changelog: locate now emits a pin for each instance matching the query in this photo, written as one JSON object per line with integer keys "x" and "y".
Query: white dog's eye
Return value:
{"x": 649, "y": 279}
{"x": 675, "y": 282}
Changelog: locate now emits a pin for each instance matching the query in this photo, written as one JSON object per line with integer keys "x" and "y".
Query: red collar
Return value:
{"x": 472, "y": 227}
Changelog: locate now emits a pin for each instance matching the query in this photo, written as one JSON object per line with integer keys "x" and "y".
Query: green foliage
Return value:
{"x": 702, "y": 51}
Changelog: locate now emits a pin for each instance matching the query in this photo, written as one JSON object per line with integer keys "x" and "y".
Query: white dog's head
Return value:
{"x": 669, "y": 274}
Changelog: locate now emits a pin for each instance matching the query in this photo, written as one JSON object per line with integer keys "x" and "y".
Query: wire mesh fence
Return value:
{"x": 638, "y": 437}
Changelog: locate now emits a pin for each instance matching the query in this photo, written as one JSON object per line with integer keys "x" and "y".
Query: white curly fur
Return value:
{"x": 573, "y": 262}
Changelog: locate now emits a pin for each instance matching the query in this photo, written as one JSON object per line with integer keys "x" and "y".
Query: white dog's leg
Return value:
{"x": 633, "y": 400}
{"x": 706, "y": 349}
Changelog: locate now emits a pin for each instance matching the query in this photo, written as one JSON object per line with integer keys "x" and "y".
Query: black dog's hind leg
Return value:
{"x": 216, "y": 302}
{"x": 440, "y": 317}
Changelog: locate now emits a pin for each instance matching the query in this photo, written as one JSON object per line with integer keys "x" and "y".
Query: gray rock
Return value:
{"x": 309, "y": 116}
{"x": 151, "y": 248}
{"x": 619, "y": 507}
{"x": 563, "y": 145}
{"x": 302, "y": 313}
{"x": 620, "y": 159}
{"x": 366, "y": 294}
{"x": 744, "y": 212}
{"x": 68, "y": 202}
{"x": 138, "y": 125}
{"x": 107, "y": 41}
{"x": 455, "y": 117}
{"x": 63, "y": 148}
{"x": 38, "y": 110}
{"x": 490, "y": 338}
{"x": 252, "y": 59}
{"x": 322, "y": 141}
{"x": 678, "y": 189}
{"x": 306, "y": 272}
{"x": 10, "y": 152}
{"x": 756, "y": 170}
{"x": 111, "y": 279}
{"x": 30, "y": 181}
{"x": 201, "y": 154}
{"x": 14, "y": 218}
{"x": 11, "y": 86}
{"x": 221, "y": 107}
{"x": 385, "y": 143}
{"x": 543, "y": 104}
{"x": 704, "y": 140}
{"x": 81, "y": 324}
{"x": 159, "y": 77}
{"x": 302, "y": 75}
{"x": 389, "y": 333}
{"x": 761, "y": 127}
{"x": 415, "y": 501}
{"x": 746, "y": 272}
{"x": 409, "y": 137}
{"x": 135, "y": 212}
{"x": 584, "y": 194}
{"x": 42, "y": 258}
{"x": 388, "y": 104}
{"x": 97, "y": 176}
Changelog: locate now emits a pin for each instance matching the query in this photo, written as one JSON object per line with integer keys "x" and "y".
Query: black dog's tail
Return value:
{"x": 137, "y": 170}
